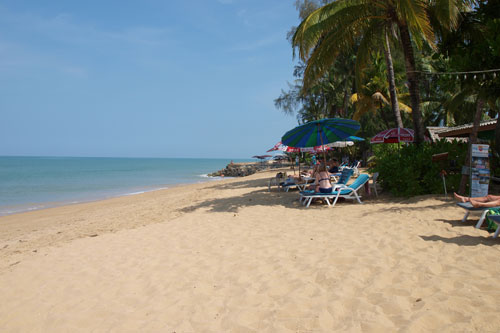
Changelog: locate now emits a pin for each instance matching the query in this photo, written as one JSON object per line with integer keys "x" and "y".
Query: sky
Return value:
{"x": 144, "y": 78}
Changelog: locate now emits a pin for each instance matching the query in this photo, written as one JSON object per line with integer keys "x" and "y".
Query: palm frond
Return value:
{"x": 414, "y": 13}
{"x": 370, "y": 38}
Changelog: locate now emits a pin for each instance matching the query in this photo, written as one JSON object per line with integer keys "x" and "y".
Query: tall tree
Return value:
{"x": 372, "y": 93}
{"x": 475, "y": 46}
{"x": 337, "y": 26}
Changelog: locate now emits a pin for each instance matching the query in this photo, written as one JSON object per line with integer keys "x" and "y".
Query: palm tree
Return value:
{"x": 336, "y": 27}
{"x": 372, "y": 93}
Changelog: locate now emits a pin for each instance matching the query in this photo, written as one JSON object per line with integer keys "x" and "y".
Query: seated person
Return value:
{"x": 487, "y": 201}
{"x": 334, "y": 166}
{"x": 292, "y": 179}
{"x": 322, "y": 183}
{"x": 313, "y": 174}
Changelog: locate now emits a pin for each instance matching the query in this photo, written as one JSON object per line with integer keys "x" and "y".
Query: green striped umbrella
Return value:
{"x": 320, "y": 132}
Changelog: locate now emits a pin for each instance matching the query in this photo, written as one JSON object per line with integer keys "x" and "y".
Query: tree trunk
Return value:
{"x": 472, "y": 140}
{"x": 413, "y": 80}
{"x": 346, "y": 100}
{"x": 392, "y": 80}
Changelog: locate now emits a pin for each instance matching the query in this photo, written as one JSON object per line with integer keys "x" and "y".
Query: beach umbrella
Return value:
{"x": 280, "y": 157}
{"x": 320, "y": 133}
{"x": 278, "y": 146}
{"x": 262, "y": 158}
{"x": 347, "y": 143}
{"x": 341, "y": 144}
{"x": 287, "y": 149}
{"x": 394, "y": 135}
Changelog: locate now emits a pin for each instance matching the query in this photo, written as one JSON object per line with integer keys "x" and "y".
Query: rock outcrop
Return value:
{"x": 238, "y": 170}
{"x": 246, "y": 169}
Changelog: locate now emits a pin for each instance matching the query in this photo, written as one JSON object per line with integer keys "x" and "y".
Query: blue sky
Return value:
{"x": 149, "y": 78}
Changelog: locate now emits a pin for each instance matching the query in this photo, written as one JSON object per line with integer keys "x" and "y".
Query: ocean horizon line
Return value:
{"x": 131, "y": 157}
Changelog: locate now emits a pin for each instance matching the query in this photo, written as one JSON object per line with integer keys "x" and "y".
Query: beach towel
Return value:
{"x": 492, "y": 226}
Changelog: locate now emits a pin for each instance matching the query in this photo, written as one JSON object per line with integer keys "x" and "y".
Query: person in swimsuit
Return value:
{"x": 323, "y": 184}
{"x": 334, "y": 166}
{"x": 487, "y": 201}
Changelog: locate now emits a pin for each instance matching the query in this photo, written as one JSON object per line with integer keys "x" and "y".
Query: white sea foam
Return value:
{"x": 21, "y": 209}
{"x": 134, "y": 193}
{"x": 145, "y": 191}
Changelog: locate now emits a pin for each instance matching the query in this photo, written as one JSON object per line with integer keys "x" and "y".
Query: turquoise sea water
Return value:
{"x": 29, "y": 183}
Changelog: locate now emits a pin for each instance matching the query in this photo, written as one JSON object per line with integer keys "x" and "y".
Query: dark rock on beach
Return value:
{"x": 243, "y": 169}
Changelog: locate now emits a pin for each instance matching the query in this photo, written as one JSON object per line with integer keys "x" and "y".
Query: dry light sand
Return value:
{"x": 230, "y": 256}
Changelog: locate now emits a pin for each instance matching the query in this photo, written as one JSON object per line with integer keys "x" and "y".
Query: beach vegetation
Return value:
{"x": 408, "y": 170}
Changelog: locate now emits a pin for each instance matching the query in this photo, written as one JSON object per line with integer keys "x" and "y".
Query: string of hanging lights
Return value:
{"x": 470, "y": 74}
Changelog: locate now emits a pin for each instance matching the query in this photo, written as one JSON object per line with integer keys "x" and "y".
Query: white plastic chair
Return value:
{"x": 374, "y": 183}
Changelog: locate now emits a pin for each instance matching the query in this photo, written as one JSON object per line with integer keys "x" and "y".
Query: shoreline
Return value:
{"x": 39, "y": 224}
{"x": 229, "y": 256}
{"x": 34, "y": 183}
{"x": 49, "y": 204}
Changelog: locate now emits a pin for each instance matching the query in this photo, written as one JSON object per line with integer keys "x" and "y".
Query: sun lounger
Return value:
{"x": 301, "y": 186}
{"x": 469, "y": 208}
{"x": 344, "y": 177}
{"x": 339, "y": 191}
{"x": 496, "y": 219}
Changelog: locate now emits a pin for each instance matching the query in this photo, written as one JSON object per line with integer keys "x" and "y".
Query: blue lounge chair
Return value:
{"x": 344, "y": 177}
{"x": 469, "y": 208}
{"x": 339, "y": 191}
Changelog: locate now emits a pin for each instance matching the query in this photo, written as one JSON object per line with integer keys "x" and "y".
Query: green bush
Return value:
{"x": 408, "y": 170}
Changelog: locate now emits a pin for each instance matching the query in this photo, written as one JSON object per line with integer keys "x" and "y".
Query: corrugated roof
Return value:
{"x": 464, "y": 130}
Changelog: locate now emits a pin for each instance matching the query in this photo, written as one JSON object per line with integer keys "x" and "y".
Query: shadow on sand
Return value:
{"x": 463, "y": 240}
{"x": 459, "y": 224}
{"x": 260, "y": 197}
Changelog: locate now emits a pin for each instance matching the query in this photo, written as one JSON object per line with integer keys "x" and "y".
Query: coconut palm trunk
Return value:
{"x": 391, "y": 80}
{"x": 413, "y": 80}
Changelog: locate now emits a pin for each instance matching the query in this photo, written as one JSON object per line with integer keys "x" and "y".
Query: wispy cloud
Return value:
{"x": 39, "y": 41}
{"x": 257, "y": 44}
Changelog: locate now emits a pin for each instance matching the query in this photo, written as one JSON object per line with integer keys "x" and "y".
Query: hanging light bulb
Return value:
{"x": 494, "y": 75}
{"x": 474, "y": 77}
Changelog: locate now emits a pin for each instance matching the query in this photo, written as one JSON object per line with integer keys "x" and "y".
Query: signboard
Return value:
{"x": 480, "y": 171}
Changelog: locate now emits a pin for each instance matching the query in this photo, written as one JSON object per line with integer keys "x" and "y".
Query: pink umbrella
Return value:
{"x": 394, "y": 135}
{"x": 277, "y": 146}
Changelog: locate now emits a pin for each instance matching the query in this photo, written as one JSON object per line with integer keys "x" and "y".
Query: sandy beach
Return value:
{"x": 230, "y": 256}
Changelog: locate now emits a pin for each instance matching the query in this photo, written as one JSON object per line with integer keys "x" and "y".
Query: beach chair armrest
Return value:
{"x": 339, "y": 187}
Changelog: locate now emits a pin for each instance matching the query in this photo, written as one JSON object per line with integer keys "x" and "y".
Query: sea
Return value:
{"x": 31, "y": 183}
